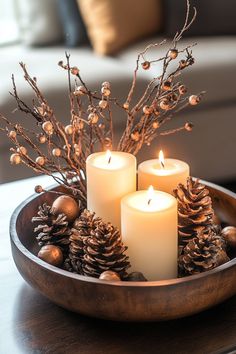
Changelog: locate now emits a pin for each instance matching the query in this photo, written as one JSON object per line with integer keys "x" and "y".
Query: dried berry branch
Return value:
{"x": 61, "y": 151}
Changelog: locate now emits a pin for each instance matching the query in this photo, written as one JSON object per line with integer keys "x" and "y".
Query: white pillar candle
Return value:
{"x": 149, "y": 229}
{"x": 162, "y": 174}
{"x": 109, "y": 178}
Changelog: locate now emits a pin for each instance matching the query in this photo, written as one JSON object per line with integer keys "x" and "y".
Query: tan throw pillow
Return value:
{"x": 113, "y": 24}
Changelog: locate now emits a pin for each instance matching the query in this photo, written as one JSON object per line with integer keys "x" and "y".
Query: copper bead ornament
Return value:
{"x": 47, "y": 127}
{"x": 109, "y": 275}
{"x": 51, "y": 254}
{"x": 173, "y": 53}
{"x": 229, "y": 234}
{"x": 15, "y": 159}
{"x": 66, "y": 205}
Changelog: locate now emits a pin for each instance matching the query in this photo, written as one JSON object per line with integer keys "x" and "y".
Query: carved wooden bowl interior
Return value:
{"x": 122, "y": 301}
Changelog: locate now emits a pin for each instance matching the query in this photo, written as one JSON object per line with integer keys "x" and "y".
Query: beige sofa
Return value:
{"x": 209, "y": 149}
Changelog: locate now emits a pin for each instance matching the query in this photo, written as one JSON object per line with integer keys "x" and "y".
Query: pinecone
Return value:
{"x": 104, "y": 250}
{"x": 194, "y": 210}
{"x": 53, "y": 229}
{"x": 204, "y": 252}
{"x": 81, "y": 229}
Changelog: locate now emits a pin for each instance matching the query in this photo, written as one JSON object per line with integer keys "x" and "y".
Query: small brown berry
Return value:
{"x": 182, "y": 89}
{"x": 22, "y": 150}
{"x": 69, "y": 129}
{"x": 164, "y": 104}
{"x": 107, "y": 143}
{"x": 173, "y": 53}
{"x": 156, "y": 112}
{"x": 126, "y": 105}
{"x": 135, "y": 136}
{"x": 155, "y": 125}
{"x": 194, "y": 100}
{"x": 80, "y": 90}
{"x": 189, "y": 127}
{"x": 74, "y": 70}
{"x": 102, "y": 104}
{"x": 51, "y": 254}
{"x": 38, "y": 189}
{"x": 166, "y": 86}
{"x": 15, "y": 159}
{"x": 40, "y": 160}
{"x": 109, "y": 275}
{"x": 106, "y": 84}
{"x": 12, "y": 134}
{"x": 147, "y": 109}
{"x": 56, "y": 152}
{"x": 93, "y": 118}
{"x": 146, "y": 65}
{"x": 47, "y": 127}
{"x": 229, "y": 234}
{"x": 42, "y": 139}
{"x": 105, "y": 91}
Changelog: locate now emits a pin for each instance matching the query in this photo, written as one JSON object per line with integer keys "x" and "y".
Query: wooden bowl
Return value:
{"x": 122, "y": 301}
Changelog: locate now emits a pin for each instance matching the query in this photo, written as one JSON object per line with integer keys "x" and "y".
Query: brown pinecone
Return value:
{"x": 195, "y": 213}
{"x": 104, "y": 250}
{"x": 52, "y": 229}
{"x": 204, "y": 252}
{"x": 82, "y": 228}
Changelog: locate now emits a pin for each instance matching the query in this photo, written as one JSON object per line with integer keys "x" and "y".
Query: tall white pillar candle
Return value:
{"x": 109, "y": 178}
{"x": 149, "y": 229}
{"x": 162, "y": 174}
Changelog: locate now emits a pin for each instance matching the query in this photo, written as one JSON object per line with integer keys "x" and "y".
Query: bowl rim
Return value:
{"x": 146, "y": 284}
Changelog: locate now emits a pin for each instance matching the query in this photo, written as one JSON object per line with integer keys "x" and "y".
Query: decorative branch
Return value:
{"x": 61, "y": 151}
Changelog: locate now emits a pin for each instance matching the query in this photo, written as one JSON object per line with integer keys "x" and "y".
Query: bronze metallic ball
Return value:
{"x": 51, "y": 254}
{"x": 229, "y": 234}
{"x": 109, "y": 275}
{"x": 66, "y": 205}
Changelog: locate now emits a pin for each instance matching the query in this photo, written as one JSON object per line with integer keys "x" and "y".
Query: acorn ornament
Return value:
{"x": 109, "y": 275}
{"x": 51, "y": 254}
{"x": 66, "y": 205}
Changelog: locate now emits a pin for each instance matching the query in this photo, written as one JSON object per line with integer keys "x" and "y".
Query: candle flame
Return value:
{"x": 150, "y": 193}
{"x": 161, "y": 159}
{"x": 108, "y": 156}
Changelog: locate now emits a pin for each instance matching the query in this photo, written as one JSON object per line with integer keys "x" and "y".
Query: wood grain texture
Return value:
{"x": 121, "y": 301}
{"x": 31, "y": 324}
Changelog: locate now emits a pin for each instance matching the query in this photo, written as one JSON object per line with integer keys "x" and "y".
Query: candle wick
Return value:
{"x": 149, "y": 201}
{"x": 109, "y": 160}
{"x": 162, "y": 164}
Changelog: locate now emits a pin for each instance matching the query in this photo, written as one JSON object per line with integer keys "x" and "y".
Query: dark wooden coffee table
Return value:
{"x": 29, "y": 323}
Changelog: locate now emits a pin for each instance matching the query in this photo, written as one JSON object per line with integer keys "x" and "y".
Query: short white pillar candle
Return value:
{"x": 162, "y": 174}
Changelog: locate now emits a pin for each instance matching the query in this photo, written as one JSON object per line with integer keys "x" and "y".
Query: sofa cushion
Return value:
{"x": 112, "y": 25}
{"x": 72, "y": 23}
{"x": 39, "y": 22}
{"x": 213, "y": 17}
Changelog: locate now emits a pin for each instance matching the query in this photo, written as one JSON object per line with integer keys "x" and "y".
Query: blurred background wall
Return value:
{"x": 103, "y": 38}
